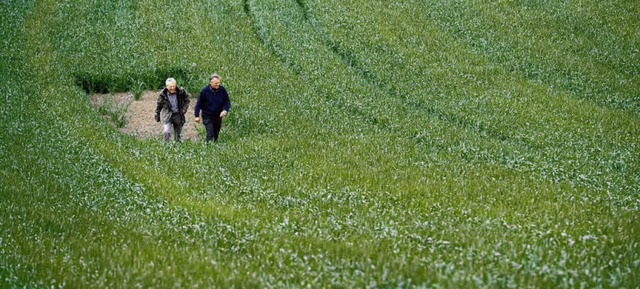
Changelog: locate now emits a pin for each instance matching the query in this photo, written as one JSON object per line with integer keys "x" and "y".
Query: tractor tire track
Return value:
{"x": 348, "y": 59}
{"x": 265, "y": 41}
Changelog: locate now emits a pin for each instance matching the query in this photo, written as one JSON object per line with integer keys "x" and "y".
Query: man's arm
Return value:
{"x": 186, "y": 102}
{"x": 158, "y": 108}
{"x": 196, "y": 109}
{"x": 227, "y": 102}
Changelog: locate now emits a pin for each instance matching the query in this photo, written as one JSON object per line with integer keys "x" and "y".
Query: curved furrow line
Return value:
{"x": 265, "y": 41}
{"x": 349, "y": 60}
{"x": 373, "y": 96}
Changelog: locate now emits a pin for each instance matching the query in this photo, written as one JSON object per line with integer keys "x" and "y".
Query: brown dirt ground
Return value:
{"x": 139, "y": 114}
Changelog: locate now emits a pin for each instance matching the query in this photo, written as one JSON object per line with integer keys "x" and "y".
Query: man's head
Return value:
{"x": 214, "y": 81}
{"x": 171, "y": 85}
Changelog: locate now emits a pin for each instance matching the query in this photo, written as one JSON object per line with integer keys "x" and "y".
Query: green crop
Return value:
{"x": 408, "y": 144}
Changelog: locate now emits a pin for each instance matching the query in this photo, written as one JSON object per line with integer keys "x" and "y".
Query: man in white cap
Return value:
{"x": 173, "y": 103}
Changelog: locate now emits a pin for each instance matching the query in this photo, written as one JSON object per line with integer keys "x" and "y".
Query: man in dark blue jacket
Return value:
{"x": 214, "y": 103}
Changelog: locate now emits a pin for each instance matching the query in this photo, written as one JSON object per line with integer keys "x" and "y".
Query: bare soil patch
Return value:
{"x": 135, "y": 117}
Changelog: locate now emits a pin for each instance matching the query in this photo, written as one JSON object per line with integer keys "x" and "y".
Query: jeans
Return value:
{"x": 177, "y": 121}
{"x": 212, "y": 124}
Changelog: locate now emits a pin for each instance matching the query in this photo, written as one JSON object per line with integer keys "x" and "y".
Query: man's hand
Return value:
{"x": 157, "y": 118}
{"x": 197, "y": 119}
{"x": 223, "y": 114}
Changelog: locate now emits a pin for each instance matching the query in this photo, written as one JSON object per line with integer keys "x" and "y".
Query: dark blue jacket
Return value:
{"x": 212, "y": 101}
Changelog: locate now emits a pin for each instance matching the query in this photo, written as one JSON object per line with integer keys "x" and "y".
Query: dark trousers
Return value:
{"x": 177, "y": 121}
{"x": 212, "y": 123}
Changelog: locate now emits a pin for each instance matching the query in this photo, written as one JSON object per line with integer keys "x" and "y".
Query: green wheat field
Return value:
{"x": 370, "y": 144}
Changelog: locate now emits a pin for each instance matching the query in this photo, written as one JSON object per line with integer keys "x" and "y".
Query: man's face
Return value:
{"x": 215, "y": 83}
{"x": 171, "y": 87}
